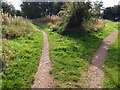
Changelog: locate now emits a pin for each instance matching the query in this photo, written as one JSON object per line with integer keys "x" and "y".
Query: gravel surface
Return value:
{"x": 42, "y": 78}
{"x": 95, "y": 73}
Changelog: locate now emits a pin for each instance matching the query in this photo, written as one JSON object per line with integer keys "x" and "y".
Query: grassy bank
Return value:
{"x": 21, "y": 54}
{"x": 71, "y": 55}
{"x": 111, "y": 79}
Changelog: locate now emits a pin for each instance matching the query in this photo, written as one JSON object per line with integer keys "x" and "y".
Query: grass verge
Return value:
{"x": 111, "y": 79}
{"x": 23, "y": 60}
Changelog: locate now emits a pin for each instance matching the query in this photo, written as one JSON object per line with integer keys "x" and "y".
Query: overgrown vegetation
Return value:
{"x": 78, "y": 17}
{"x": 111, "y": 79}
{"x": 71, "y": 55}
{"x": 73, "y": 16}
{"x": 13, "y": 27}
{"x": 48, "y": 19}
{"x": 21, "y": 50}
{"x": 79, "y": 32}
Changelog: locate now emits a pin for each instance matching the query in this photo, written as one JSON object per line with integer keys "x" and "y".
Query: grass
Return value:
{"x": 111, "y": 68}
{"x": 22, "y": 58}
{"x": 111, "y": 79}
{"x": 72, "y": 55}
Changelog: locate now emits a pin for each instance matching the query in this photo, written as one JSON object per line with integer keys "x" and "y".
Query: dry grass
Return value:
{"x": 8, "y": 19}
{"x": 49, "y": 19}
{"x": 13, "y": 27}
{"x": 100, "y": 23}
{"x": 93, "y": 24}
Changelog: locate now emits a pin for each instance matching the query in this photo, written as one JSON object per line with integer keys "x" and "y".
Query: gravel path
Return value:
{"x": 95, "y": 72}
{"x": 42, "y": 78}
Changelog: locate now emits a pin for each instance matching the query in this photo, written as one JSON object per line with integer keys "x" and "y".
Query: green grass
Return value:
{"x": 109, "y": 27}
{"x": 118, "y": 25}
{"x": 72, "y": 55}
{"x": 112, "y": 67}
{"x": 23, "y": 60}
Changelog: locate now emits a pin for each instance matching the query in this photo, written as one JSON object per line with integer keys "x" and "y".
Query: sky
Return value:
{"x": 107, "y": 3}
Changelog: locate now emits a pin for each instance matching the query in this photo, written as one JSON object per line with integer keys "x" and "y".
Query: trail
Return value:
{"x": 95, "y": 73}
{"x": 42, "y": 78}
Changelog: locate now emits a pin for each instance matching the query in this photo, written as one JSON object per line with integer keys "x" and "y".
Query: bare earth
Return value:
{"x": 42, "y": 78}
{"x": 95, "y": 72}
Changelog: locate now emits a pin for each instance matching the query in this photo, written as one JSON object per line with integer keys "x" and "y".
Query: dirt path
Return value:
{"x": 95, "y": 72}
{"x": 42, "y": 78}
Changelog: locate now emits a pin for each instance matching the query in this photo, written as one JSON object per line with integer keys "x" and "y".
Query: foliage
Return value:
{"x": 97, "y": 9}
{"x": 18, "y": 13}
{"x": 112, "y": 13}
{"x": 76, "y": 15}
{"x": 8, "y": 8}
{"x": 35, "y": 10}
{"x": 70, "y": 54}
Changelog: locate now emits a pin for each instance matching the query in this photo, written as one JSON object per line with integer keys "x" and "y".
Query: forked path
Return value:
{"x": 42, "y": 78}
{"x": 95, "y": 72}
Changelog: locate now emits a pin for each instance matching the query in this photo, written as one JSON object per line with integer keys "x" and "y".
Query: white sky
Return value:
{"x": 16, "y": 3}
{"x": 106, "y": 3}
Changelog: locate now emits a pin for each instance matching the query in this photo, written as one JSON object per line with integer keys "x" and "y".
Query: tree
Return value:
{"x": 74, "y": 14}
{"x": 18, "y": 13}
{"x": 112, "y": 13}
{"x": 8, "y": 8}
{"x": 40, "y": 9}
{"x": 97, "y": 8}
{"x": 31, "y": 9}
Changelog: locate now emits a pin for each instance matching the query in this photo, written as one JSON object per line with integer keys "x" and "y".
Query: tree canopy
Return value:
{"x": 8, "y": 8}
{"x": 77, "y": 13}
{"x": 112, "y": 13}
{"x": 40, "y": 9}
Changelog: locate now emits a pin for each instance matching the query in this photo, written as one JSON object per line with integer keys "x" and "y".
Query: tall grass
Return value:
{"x": 49, "y": 19}
{"x": 13, "y": 27}
{"x": 92, "y": 25}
